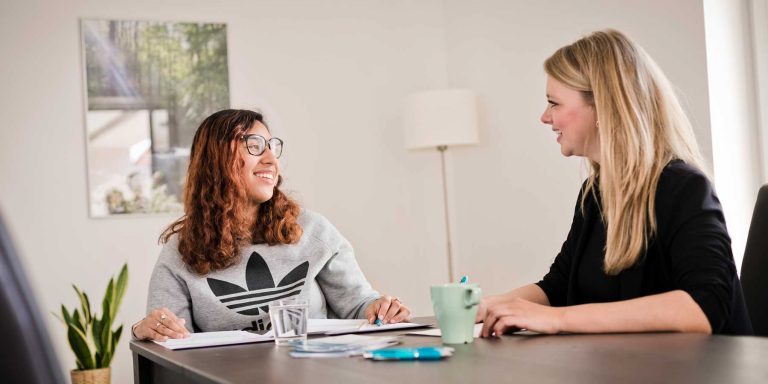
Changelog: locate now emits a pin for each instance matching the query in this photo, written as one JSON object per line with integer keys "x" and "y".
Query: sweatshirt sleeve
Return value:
{"x": 167, "y": 288}
{"x": 555, "y": 282}
{"x": 698, "y": 244}
{"x": 347, "y": 291}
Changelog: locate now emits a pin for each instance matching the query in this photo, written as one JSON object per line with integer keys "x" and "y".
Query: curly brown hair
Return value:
{"x": 215, "y": 222}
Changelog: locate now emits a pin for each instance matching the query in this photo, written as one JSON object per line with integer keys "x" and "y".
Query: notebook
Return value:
{"x": 212, "y": 339}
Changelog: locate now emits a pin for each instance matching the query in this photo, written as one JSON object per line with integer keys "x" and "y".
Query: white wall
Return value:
{"x": 758, "y": 11}
{"x": 735, "y": 117}
{"x": 514, "y": 194}
{"x": 332, "y": 76}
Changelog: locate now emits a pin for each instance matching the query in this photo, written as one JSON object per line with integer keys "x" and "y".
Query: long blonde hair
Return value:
{"x": 641, "y": 127}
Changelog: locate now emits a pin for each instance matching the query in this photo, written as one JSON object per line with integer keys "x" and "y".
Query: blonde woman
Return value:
{"x": 648, "y": 248}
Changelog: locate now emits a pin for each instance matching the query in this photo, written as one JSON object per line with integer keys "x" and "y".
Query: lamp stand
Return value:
{"x": 441, "y": 149}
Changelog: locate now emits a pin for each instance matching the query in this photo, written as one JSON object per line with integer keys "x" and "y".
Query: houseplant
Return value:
{"x": 91, "y": 337}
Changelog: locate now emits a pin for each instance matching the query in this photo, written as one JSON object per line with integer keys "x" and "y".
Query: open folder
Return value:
{"x": 314, "y": 327}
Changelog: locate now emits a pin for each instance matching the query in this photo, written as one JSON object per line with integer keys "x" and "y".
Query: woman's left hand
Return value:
{"x": 389, "y": 309}
{"x": 514, "y": 314}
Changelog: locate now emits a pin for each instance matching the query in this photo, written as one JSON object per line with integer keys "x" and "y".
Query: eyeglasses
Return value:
{"x": 257, "y": 144}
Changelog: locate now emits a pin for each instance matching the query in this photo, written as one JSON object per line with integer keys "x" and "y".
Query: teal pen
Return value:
{"x": 464, "y": 280}
{"x": 378, "y": 322}
{"x": 422, "y": 353}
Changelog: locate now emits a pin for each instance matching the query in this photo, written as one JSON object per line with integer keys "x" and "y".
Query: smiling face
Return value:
{"x": 259, "y": 173}
{"x": 573, "y": 119}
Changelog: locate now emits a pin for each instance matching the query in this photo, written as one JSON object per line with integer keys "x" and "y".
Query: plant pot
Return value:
{"x": 91, "y": 376}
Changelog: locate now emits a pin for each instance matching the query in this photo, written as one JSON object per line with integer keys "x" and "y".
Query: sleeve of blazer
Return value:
{"x": 555, "y": 282}
{"x": 692, "y": 228}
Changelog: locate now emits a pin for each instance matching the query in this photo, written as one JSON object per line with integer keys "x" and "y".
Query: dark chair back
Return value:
{"x": 754, "y": 267}
{"x": 26, "y": 355}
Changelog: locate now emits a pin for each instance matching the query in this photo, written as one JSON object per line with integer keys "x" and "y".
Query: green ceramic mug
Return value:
{"x": 455, "y": 306}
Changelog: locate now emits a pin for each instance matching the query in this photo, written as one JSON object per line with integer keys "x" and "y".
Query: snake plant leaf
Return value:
{"x": 85, "y": 305}
{"x": 65, "y": 315}
{"x": 105, "y": 360}
{"x": 106, "y": 335}
{"x": 96, "y": 333}
{"x": 79, "y": 345}
{"x": 109, "y": 298}
{"x": 120, "y": 286}
{"x": 116, "y": 334}
{"x": 78, "y": 322}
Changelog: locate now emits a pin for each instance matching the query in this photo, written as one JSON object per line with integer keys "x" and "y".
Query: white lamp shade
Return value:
{"x": 441, "y": 117}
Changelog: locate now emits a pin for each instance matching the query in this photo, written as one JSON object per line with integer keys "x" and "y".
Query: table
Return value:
{"x": 609, "y": 358}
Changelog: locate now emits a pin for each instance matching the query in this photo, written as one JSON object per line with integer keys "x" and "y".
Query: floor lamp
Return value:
{"x": 439, "y": 119}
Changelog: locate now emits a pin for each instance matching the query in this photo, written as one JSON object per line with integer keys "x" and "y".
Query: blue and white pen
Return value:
{"x": 422, "y": 353}
{"x": 464, "y": 280}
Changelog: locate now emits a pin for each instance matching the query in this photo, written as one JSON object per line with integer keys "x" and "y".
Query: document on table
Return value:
{"x": 344, "y": 326}
{"x": 436, "y": 331}
{"x": 212, "y": 339}
{"x": 315, "y": 326}
{"x": 476, "y": 331}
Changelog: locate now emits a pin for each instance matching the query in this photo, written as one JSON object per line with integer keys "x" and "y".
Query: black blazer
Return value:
{"x": 691, "y": 252}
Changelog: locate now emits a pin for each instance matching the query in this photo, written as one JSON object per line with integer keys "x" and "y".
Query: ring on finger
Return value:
{"x": 158, "y": 325}
{"x": 162, "y": 318}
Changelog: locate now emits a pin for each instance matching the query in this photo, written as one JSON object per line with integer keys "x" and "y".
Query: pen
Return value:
{"x": 378, "y": 322}
{"x": 422, "y": 353}
{"x": 464, "y": 280}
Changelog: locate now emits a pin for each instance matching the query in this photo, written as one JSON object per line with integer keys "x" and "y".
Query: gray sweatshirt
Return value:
{"x": 321, "y": 268}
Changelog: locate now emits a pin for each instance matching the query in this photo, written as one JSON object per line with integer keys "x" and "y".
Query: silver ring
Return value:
{"x": 158, "y": 325}
{"x": 162, "y": 318}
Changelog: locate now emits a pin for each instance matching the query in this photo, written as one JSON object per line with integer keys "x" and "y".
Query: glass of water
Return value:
{"x": 289, "y": 319}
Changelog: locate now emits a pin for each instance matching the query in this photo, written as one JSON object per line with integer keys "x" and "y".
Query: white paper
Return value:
{"x": 211, "y": 339}
{"x": 314, "y": 326}
{"x": 340, "y": 327}
{"x": 436, "y": 331}
{"x": 321, "y": 326}
{"x": 476, "y": 331}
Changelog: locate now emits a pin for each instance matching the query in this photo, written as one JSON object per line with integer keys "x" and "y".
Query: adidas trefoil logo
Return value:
{"x": 261, "y": 288}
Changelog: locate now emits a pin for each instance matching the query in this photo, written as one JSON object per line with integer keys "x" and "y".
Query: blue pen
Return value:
{"x": 464, "y": 280}
{"x": 378, "y": 322}
{"x": 422, "y": 353}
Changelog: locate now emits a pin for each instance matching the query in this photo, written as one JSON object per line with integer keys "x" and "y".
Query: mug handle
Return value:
{"x": 472, "y": 298}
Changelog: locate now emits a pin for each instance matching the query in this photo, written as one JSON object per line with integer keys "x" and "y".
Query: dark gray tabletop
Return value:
{"x": 611, "y": 358}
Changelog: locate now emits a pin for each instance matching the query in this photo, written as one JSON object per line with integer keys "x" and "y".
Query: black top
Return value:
{"x": 691, "y": 252}
{"x": 592, "y": 283}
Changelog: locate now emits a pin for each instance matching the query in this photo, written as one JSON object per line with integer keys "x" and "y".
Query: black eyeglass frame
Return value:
{"x": 267, "y": 143}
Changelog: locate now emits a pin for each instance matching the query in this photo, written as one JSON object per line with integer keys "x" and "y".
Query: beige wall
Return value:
{"x": 332, "y": 76}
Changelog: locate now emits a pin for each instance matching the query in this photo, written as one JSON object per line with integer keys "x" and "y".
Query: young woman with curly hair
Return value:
{"x": 648, "y": 249}
{"x": 242, "y": 243}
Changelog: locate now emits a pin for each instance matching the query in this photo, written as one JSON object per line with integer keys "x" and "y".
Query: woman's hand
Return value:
{"x": 160, "y": 325}
{"x": 485, "y": 303}
{"x": 502, "y": 314}
{"x": 388, "y": 309}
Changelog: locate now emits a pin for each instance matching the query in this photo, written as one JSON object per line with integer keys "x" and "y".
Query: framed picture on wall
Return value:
{"x": 148, "y": 86}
